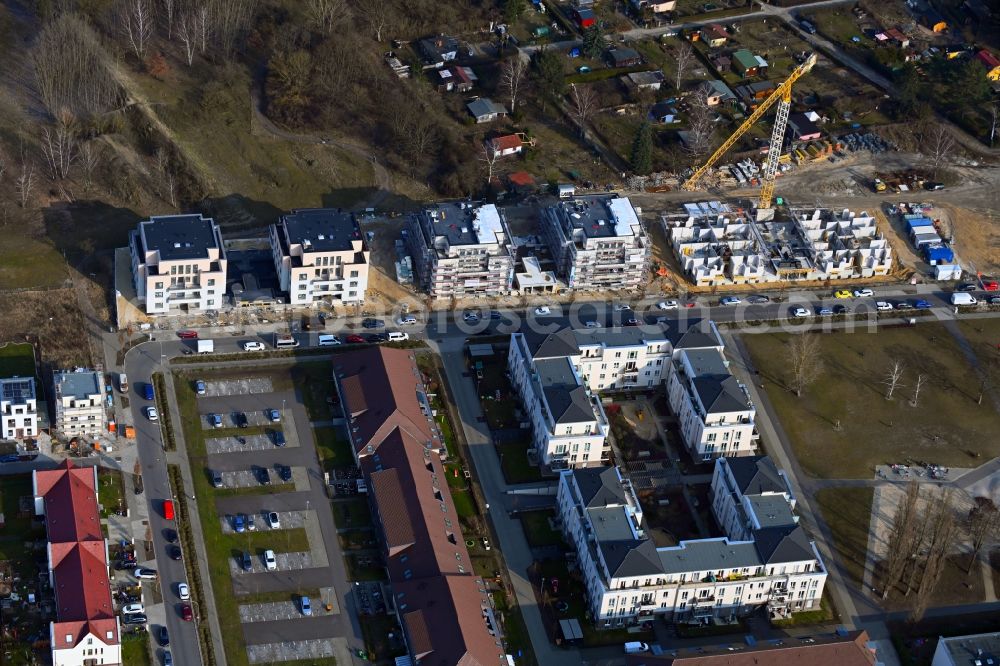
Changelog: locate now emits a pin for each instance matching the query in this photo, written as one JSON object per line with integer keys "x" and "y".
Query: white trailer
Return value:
{"x": 206, "y": 346}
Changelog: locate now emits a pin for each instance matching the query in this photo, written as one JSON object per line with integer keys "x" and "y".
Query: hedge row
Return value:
{"x": 163, "y": 407}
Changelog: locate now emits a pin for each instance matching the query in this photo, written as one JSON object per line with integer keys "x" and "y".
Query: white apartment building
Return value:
{"x": 461, "y": 250}
{"x": 629, "y": 579}
{"x": 18, "y": 408}
{"x": 597, "y": 242}
{"x": 713, "y": 408}
{"x": 320, "y": 255}
{"x": 178, "y": 264}
{"x": 630, "y": 357}
{"x": 568, "y": 424}
{"x": 79, "y": 403}
{"x": 748, "y": 492}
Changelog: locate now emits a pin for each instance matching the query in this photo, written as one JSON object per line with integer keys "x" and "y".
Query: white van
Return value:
{"x": 328, "y": 340}
{"x": 635, "y": 647}
{"x": 398, "y": 336}
{"x": 962, "y": 298}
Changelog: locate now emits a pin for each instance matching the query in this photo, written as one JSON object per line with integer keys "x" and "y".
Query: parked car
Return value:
{"x": 168, "y": 659}
{"x": 151, "y": 414}
{"x": 591, "y": 324}
{"x": 994, "y": 300}
{"x": 186, "y": 614}
{"x": 279, "y": 439}
{"x": 305, "y": 605}
{"x": 135, "y": 618}
{"x": 921, "y": 304}
{"x": 470, "y": 317}
{"x": 246, "y": 561}
{"x": 966, "y": 286}
{"x": 170, "y": 535}
{"x": 839, "y": 309}
{"x": 354, "y": 339}
{"x": 132, "y": 609}
{"x": 147, "y": 391}
{"x": 239, "y": 523}
{"x": 263, "y": 476}
{"x": 270, "y": 562}
{"x": 174, "y": 552}
{"x": 216, "y": 479}
{"x": 183, "y": 591}
{"x": 215, "y": 420}
{"x": 199, "y": 387}
{"x": 902, "y": 305}
{"x": 842, "y": 293}
{"x": 253, "y": 345}
{"x": 273, "y": 415}
{"x": 730, "y": 300}
{"x": 284, "y": 472}
{"x": 800, "y": 312}
{"x": 369, "y": 322}
{"x": 542, "y": 310}
{"x": 164, "y": 635}
{"x": 273, "y": 521}
{"x": 240, "y": 418}
{"x": 932, "y": 186}
{"x": 883, "y": 306}
{"x": 824, "y": 312}
{"x": 758, "y": 299}
{"x": 143, "y": 573}
{"x": 863, "y": 293}
{"x": 187, "y": 335}
{"x": 667, "y": 305}
{"x": 251, "y": 523}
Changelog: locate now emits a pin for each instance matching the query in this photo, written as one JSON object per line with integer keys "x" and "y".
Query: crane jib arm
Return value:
{"x": 783, "y": 92}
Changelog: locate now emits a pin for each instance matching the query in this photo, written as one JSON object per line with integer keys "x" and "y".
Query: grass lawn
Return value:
{"x": 824, "y": 615}
{"x": 465, "y": 506}
{"x": 352, "y": 513}
{"x": 847, "y": 512}
{"x": 515, "y": 631}
{"x": 27, "y": 262}
{"x": 315, "y": 381}
{"x": 221, "y": 548}
{"x": 135, "y": 650}
{"x": 947, "y": 427}
{"x": 17, "y": 360}
{"x": 537, "y": 530}
{"x": 334, "y": 449}
{"x": 515, "y": 464}
{"x": 111, "y": 490}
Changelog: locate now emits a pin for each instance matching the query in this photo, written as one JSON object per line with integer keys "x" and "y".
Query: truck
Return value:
{"x": 636, "y": 647}
{"x": 963, "y": 298}
{"x": 206, "y": 346}
{"x": 123, "y": 383}
{"x": 878, "y": 185}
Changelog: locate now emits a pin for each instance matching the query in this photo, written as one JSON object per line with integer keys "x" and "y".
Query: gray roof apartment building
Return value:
{"x": 461, "y": 249}
{"x": 178, "y": 263}
{"x": 597, "y": 242}
{"x": 628, "y": 577}
{"x": 79, "y": 403}
{"x": 320, "y": 254}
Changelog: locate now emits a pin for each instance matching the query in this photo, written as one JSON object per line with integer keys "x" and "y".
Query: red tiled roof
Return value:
{"x": 715, "y": 30}
{"x": 521, "y": 179}
{"x": 506, "y": 142}
{"x": 439, "y": 597}
{"x": 67, "y": 492}
{"x": 987, "y": 59}
{"x": 77, "y": 556}
{"x": 851, "y": 650}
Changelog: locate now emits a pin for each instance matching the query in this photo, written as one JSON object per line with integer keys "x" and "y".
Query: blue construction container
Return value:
{"x": 938, "y": 254}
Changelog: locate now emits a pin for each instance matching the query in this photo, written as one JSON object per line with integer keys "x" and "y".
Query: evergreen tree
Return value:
{"x": 642, "y": 150}
{"x": 593, "y": 41}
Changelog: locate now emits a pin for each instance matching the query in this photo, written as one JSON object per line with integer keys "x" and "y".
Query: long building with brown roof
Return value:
{"x": 850, "y": 649}
{"x": 443, "y": 606}
{"x": 86, "y": 630}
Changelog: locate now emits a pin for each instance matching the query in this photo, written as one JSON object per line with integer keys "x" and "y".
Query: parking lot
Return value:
{"x": 235, "y": 464}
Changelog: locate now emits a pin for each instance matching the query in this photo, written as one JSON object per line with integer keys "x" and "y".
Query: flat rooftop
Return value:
{"x": 321, "y": 229}
{"x": 463, "y": 223}
{"x": 17, "y": 390}
{"x": 78, "y": 384}
{"x": 771, "y": 510}
{"x": 706, "y": 362}
{"x": 974, "y": 649}
{"x": 600, "y": 216}
{"x": 708, "y": 555}
{"x": 179, "y": 237}
{"x": 611, "y": 523}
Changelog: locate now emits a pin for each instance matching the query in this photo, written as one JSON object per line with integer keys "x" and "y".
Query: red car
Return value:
{"x": 187, "y": 335}
{"x": 355, "y": 339}
{"x": 186, "y": 613}
{"x": 689, "y": 304}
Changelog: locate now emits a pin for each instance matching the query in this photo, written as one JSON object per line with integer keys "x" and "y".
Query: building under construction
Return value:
{"x": 720, "y": 244}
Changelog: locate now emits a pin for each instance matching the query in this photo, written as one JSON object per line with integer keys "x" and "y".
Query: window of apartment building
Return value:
{"x": 602, "y": 375}
{"x": 211, "y": 282}
{"x": 158, "y": 285}
{"x": 604, "y": 366}
{"x": 738, "y": 590}
{"x": 633, "y": 354}
{"x": 354, "y": 274}
{"x": 618, "y": 354}
{"x": 211, "y": 302}
{"x": 711, "y": 437}
{"x": 158, "y": 294}
{"x": 684, "y": 595}
{"x": 682, "y": 605}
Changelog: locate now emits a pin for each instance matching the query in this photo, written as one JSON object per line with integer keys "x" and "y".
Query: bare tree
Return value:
{"x": 983, "y": 524}
{"x": 512, "y": 76}
{"x": 893, "y": 377}
{"x": 489, "y": 159}
{"x": 377, "y": 14}
{"x": 921, "y": 379}
{"x": 187, "y": 32}
{"x": 326, "y": 15}
{"x": 940, "y": 146}
{"x": 988, "y": 379}
{"x": 3, "y": 165}
{"x": 90, "y": 158}
{"x": 902, "y": 539}
{"x": 60, "y": 147}
{"x": 939, "y": 540}
{"x": 169, "y": 11}
{"x": 24, "y": 184}
{"x": 135, "y": 21}
{"x": 685, "y": 56}
{"x": 806, "y": 362}
{"x": 202, "y": 27}
{"x": 994, "y": 110}
{"x": 230, "y": 20}
{"x": 700, "y": 127}
{"x": 584, "y": 103}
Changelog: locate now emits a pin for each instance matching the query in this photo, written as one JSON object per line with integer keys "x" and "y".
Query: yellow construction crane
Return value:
{"x": 784, "y": 94}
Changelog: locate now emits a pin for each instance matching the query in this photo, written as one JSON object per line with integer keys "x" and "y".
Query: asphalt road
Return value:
{"x": 139, "y": 366}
